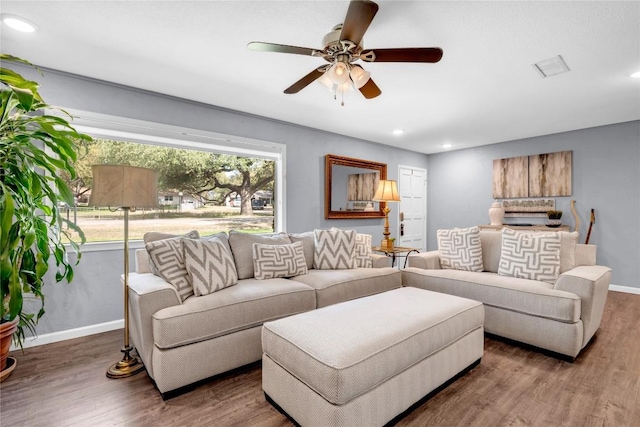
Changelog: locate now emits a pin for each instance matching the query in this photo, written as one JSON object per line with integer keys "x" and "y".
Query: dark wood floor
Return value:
{"x": 64, "y": 384}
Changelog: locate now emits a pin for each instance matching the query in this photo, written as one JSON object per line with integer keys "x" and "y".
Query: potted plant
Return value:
{"x": 35, "y": 149}
{"x": 554, "y": 218}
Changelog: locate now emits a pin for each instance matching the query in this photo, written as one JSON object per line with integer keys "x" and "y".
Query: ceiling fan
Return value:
{"x": 343, "y": 47}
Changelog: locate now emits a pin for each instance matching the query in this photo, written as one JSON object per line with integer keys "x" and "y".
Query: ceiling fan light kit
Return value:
{"x": 342, "y": 47}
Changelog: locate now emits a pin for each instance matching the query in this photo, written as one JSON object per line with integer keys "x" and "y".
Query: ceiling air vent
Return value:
{"x": 551, "y": 67}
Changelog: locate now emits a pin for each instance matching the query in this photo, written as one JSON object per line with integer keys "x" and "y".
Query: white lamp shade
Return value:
{"x": 387, "y": 191}
{"x": 338, "y": 73}
{"x": 359, "y": 76}
{"x": 124, "y": 186}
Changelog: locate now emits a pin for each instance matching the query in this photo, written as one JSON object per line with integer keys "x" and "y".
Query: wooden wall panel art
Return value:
{"x": 540, "y": 175}
{"x": 550, "y": 174}
{"x": 510, "y": 178}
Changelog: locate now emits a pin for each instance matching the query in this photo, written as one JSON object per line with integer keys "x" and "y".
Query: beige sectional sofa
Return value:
{"x": 184, "y": 341}
{"x": 560, "y": 317}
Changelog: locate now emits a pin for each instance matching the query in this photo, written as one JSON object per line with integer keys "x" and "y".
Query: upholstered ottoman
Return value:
{"x": 365, "y": 361}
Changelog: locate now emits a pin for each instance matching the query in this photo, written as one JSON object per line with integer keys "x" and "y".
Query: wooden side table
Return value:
{"x": 395, "y": 253}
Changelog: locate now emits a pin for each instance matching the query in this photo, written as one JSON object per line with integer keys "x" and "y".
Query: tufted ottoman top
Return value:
{"x": 344, "y": 350}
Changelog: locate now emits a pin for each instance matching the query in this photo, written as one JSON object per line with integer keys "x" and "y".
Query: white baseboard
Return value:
{"x": 70, "y": 334}
{"x": 119, "y": 324}
{"x": 626, "y": 289}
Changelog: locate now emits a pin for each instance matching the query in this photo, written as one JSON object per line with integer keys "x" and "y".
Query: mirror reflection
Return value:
{"x": 350, "y": 185}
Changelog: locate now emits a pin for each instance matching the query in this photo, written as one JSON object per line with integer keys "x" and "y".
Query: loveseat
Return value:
{"x": 560, "y": 313}
{"x": 187, "y": 331}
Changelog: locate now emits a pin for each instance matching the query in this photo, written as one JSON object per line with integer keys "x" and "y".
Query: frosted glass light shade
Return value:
{"x": 387, "y": 191}
{"x": 338, "y": 73}
{"x": 359, "y": 76}
{"x": 124, "y": 186}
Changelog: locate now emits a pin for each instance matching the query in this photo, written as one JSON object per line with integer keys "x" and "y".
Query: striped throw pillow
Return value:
{"x": 209, "y": 264}
{"x": 334, "y": 249}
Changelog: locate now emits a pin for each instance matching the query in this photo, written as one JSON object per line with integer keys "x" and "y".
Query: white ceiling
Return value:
{"x": 483, "y": 91}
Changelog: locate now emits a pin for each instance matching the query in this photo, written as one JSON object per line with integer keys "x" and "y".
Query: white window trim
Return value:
{"x": 132, "y": 130}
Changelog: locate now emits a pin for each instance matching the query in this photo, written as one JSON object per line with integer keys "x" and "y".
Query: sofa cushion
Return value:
{"x": 242, "y": 249}
{"x": 334, "y": 249}
{"x": 270, "y": 261}
{"x": 520, "y": 295}
{"x": 333, "y": 286}
{"x": 224, "y": 238}
{"x": 248, "y": 304}
{"x": 460, "y": 249}
{"x": 167, "y": 261}
{"x": 308, "y": 245}
{"x": 362, "y": 251}
{"x": 534, "y": 256}
{"x": 568, "y": 242}
{"x": 209, "y": 264}
{"x": 491, "y": 242}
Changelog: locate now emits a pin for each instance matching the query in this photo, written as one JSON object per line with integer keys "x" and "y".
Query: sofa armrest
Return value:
{"x": 148, "y": 293}
{"x": 380, "y": 261}
{"x": 427, "y": 260}
{"x": 591, "y": 284}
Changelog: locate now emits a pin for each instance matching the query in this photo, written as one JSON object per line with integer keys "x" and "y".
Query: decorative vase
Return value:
{"x": 6, "y": 332}
{"x": 496, "y": 213}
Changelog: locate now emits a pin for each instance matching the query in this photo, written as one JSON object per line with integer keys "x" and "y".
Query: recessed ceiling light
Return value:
{"x": 636, "y": 75}
{"x": 398, "y": 132}
{"x": 447, "y": 145}
{"x": 19, "y": 23}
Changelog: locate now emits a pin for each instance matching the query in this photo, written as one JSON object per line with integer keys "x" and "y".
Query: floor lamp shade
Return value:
{"x": 124, "y": 186}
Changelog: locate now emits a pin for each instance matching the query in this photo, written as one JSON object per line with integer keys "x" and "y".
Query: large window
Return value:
{"x": 202, "y": 185}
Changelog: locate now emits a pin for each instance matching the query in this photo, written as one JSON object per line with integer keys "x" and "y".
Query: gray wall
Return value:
{"x": 95, "y": 294}
{"x": 606, "y": 177}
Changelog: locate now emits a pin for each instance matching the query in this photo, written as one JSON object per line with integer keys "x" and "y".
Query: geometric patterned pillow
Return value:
{"x": 168, "y": 261}
{"x": 271, "y": 261}
{"x": 154, "y": 236}
{"x": 362, "y": 251}
{"x": 209, "y": 264}
{"x": 334, "y": 249}
{"x": 460, "y": 249}
{"x": 534, "y": 256}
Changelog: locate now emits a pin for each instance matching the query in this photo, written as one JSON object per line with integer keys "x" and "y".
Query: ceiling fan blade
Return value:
{"x": 405, "y": 54}
{"x": 370, "y": 90}
{"x": 305, "y": 81}
{"x": 283, "y": 48}
{"x": 359, "y": 17}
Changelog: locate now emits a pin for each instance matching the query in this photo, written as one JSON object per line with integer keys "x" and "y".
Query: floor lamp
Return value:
{"x": 126, "y": 188}
{"x": 387, "y": 191}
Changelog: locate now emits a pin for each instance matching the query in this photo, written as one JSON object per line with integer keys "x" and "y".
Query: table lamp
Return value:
{"x": 126, "y": 188}
{"x": 386, "y": 192}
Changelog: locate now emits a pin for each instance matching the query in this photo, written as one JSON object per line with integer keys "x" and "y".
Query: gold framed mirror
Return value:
{"x": 349, "y": 186}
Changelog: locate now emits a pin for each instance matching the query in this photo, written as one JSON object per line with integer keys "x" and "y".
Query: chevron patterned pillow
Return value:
{"x": 534, "y": 256}
{"x": 334, "y": 249}
{"x": 270, "y": 261}
{"x": 167, "y": 261}
{"x": 209, "y": 264}
{"x": 460, "y": 249}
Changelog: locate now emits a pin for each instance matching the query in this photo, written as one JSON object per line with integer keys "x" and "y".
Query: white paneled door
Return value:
{"x": 412, "y": 209}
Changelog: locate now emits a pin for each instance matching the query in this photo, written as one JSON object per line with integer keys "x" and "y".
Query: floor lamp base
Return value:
{"x": 128, "y": 366}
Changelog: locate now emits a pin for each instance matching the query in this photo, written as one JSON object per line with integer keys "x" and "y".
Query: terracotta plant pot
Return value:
{"x": 6, "y": 332}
